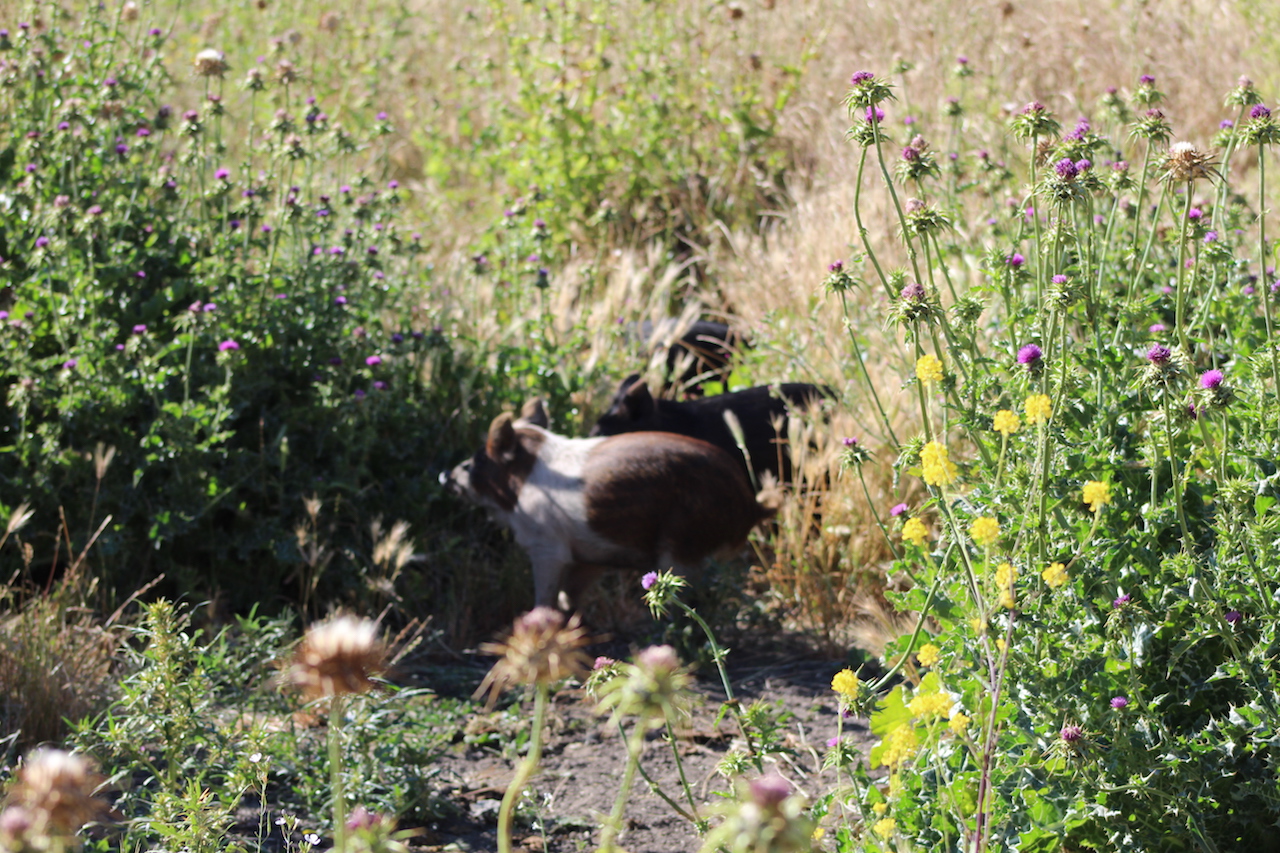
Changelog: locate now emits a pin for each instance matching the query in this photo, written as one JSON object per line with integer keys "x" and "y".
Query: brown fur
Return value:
{"x": 501, "y": 467}
{"x": 660, "y": 493}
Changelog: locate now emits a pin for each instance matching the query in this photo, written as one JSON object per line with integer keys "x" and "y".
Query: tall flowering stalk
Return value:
{"x": 1263, "y": 130}
{"x": 334, "y": 660}
{"x": 541, "y": 650}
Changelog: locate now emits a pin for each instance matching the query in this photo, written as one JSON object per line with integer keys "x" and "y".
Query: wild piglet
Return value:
{"x": 646, "y": 501}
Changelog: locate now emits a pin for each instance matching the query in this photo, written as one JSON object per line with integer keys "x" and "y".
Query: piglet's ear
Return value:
{"x": 501, "y": 446}
{"x": 535, "y": 412}
{"x": 638, "y": 400}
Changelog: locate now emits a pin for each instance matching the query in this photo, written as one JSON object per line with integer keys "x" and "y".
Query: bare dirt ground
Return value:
{"x": 583, "y": 763}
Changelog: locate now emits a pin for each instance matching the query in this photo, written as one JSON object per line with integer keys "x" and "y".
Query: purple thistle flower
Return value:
{"x": 910, "y": 154}
{"x": 140, "y": 329}
{"x": 1192, "y": 411}
{"x": 359, "y": 394}
{"x": 64, "y": 125}
{"x": 1122, "y": 601}
{"x": 1146, "y": 80}
{"x": 1195, "y": 214}
{"x": 397, "y": 338}
{"x": 962, "y": 60}
{"x": 69, "y": 364}
{"x": 897, "y": 510}
{"x": 1259, "y": 111}
{"x": 913, "y": 292}
{"x": 382, "y": 116}
{"x": 1059, "y": 279}
{"x": 1072, "y": 734}
{"x": 1066, "y": 169}
{"x": 1156, "y": 328}
{"x": 832, "y": 741}
{"x": 372, "y": 250}
{"x": 1159, "y": 354}
{"x": 31, "y": 167}
{"x": 373, "y": 360}
{"x": 142, "y": 133}
{"x": 337, "y": 250}
{"x": 41, "y": 242}
{"x": 649, "y": 580}
{"x": 1029, "y": 355}
{"x": 1119, "y": 702}
{"x": 340, "y": 300}
{"x": 1083, "y": 165}
{"x": 335, "y": 361}
{"x": 1235, "y": 617}
{"x": 1015, "y": 260}
{"x": 862, "y": 77}
{"x": 228, "y": 346}
{"x": 266, "y": 229}
{"x": 849, "y": 441}
{"x": 1226, "y": 124}
{"x": 222, "y": 174}
{"x": 879, "y": 115}
{"x": 1211, "y": 379}
{"x": 379, "y": 385}
{"x": 1033, "y": 108}
{"x": 393, "y": 184}
{"x": 835, "y": 266}
{"x": 122, "y": 149}
{"x": 119, "y": 347}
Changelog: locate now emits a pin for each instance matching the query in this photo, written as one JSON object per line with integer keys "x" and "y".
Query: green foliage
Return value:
{"x": 1107, "y": 661}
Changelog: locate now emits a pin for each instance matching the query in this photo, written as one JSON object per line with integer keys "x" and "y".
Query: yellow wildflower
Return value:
{"x": 928, "y": 654}
{"x": 959, "y": 722}
{"x": 929, "y": 369}
{"x": 1055, "y": 576}
{"x": 1096, "y": 494}
{"x": 900, "y": 745}
{"x": 880, "y": 809}
{"x": 817, "y": 833}
{"x": 1005, "y": 573}
{"x": 845, "y": 682}
{"x": 885, "y": 827}
{"x": 1038, "y": 408}
{"x": 915, "y": 531}
{"x": 985, "y": 531}
{"x": 1007, "y": 601}
{"x": 1006, "y": 422}
{"x": 939, "y": 470}
{"x": 978, "y": 625}
{"x": 930, "y": 705}
{"x": 1000, "y": 644}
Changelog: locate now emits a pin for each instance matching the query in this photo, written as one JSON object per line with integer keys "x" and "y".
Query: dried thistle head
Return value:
{"x": 337, "y": 657}
{"x": 542, "y": 649}
{"x": 1185, "y": 162}
{"x": 654, "y": 688}
{"x": 210, "y": 63}
{"x": 53, "y": 795}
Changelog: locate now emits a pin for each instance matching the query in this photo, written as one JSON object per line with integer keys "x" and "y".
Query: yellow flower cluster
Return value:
{"x": 938, "y": 469}
{"x": 1096, "y": 494}
{"x": 985, "y": 531}
{"x": 930, "y": 705}
{"x": 880, "y": 809}
{"x": 901, "y": 744}
{"x": 1005, "y": 575}
{"x": 1006, "y": 422}
{"x": 845, "y": 682}
{"x": 1055, "y": 576}
{"x": 959, "y": 722}
{"x": 929, "y": 369}
{"x": 1038, "y": 408}
{"x": 928, "y": 654}
{"x": 915, "y": 531}
{"x": 884, "y": 827}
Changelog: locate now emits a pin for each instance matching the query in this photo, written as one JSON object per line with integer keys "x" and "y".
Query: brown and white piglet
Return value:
{"x": 647, "y": 501}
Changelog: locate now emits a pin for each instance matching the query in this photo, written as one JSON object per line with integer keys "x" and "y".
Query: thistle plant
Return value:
{"x": 542, "y": 650}
{"x": 336, "y": 659}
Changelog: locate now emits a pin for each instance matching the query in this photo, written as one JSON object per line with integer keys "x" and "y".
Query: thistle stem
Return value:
{"x": 524, "y": 770}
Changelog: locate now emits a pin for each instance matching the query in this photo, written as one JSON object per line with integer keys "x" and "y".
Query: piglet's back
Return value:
{"x": 662, "y": 493}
